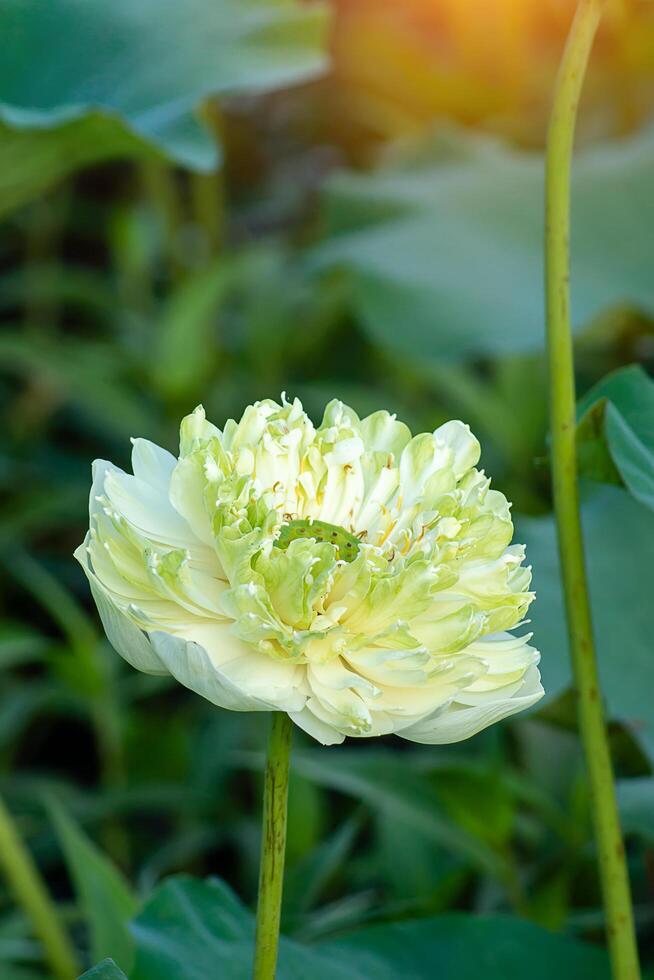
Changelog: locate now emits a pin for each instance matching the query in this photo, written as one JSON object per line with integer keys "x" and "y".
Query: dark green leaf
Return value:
{"x": 385, "y": 783}
{"x": 19, "y": 645}
{"x": 619, "y": 538}
{"x": 186, "y": 348}
{"x": 104, "y": 896}
{"x": 465, "y": 947}
{"x": 191, "y": 930}
{"x": 304, "y": 883}
{"x": 31, "y": 160}
{"x": 21, "y": 704}
{"x": 616, "y": 432}
{"x": 122, "y": 76}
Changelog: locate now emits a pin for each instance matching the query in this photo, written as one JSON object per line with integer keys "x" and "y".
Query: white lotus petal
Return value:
{"x": 465, "y": 447}
{"x": 198, "y": 569}
{"x": 193, "y": 667}
{"x": 146, "y": 508}
{"x": 126, "y": 638}
{"x": 152, "y": 464}
{"x": 313, "y": 726}
{"x": 461, "y": 721}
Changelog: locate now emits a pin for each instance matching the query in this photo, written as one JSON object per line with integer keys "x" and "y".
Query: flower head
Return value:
{"x": 353, "y": 576}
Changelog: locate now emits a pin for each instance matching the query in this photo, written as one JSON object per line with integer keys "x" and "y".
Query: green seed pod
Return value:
{"x": 346, "y": 544}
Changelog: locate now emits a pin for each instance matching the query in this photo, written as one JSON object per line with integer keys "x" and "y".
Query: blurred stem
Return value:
{"x": 273, "y": 846}
{"x": 45, "y": 228}
{"x": 208, "y": 205}
{"x": 208, "y": 190}
{"x": 30, "y": 891}
{"x": 613, "y": 869}
{"x": 160, "y": 184}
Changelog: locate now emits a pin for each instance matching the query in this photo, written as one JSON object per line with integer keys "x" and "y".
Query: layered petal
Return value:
{"x": 357, "y": 577}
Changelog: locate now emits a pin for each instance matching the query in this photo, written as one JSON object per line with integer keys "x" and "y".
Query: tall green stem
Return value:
{"x": 273, "y": 847}
{"x": 26, "y": 884}
{"x": 613, "y": 870}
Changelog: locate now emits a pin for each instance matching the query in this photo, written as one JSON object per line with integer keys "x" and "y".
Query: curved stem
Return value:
{"x": 30, "y": 891}
{"x": 273, "y": 847}
{"x": 613, "y": 870}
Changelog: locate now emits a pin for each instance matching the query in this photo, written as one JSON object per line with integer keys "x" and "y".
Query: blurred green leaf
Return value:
{"x": 104, "y": 896}
{"x": 20, "y": 645}
{"x": 416, "y": 875}
{"x": 636, "y": 799}
{"x": 14, "y": 971}
{"x": 618, "y": 537}
{"x": 304, "y": 883}
{"x": 48, "y": 591}
{"x": 124, "y": 77}
{"x": 193, "y": 929}
{"x": 306, "y": 817}
{"x": 33, "y": 159}
{"x": 186, "y": 347}
{"x": 466, "y": 947}
{"x": 85, "y": 289}
{"x": 384, "y": 781}
{"x": 443, "y": 253}
{"x": 548, "y": 900}
{"x": 69, "y": 368}
{"x": 18, "y": 946}
{"x": 106, "y": 970}
{"x": 615, "y": 436}
{"x": 21, "y": 704}
{"x": 461, "y": 793}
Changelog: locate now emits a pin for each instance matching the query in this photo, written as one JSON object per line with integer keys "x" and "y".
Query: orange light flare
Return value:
{"x": 400, "y": 64}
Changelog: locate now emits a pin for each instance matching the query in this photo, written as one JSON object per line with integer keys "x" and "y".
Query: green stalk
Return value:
{"x": 30, "y": 891}
{"x": 612, "y": 864}
{"x": 273, "y": 847}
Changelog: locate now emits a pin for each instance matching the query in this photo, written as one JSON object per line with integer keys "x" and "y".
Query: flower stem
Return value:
{"x": 30, "y": 891}
{"x": 613, "y": 870}
{"x": 273, "y": 846}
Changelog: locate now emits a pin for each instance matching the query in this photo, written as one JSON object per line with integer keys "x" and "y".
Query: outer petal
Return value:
{"x": 213, "y": 662}
{"x": 147, "y": 508}
{"x": 234, "y": 676}
{"x": 125, "y": 637}
{"x": 316, "y": 728}
{"x": 152, "y": 464}
{"x": 192, "y": 666}
{"x": 458, "y": 721}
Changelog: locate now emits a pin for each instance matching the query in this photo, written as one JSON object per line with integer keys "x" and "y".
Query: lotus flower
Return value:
{"x": 352, "y": 575}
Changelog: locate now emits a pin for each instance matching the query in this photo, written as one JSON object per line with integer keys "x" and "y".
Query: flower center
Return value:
{"x": 346, "y": 544}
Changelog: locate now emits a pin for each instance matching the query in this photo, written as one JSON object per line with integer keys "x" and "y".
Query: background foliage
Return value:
{"x": 373, "y": 232}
